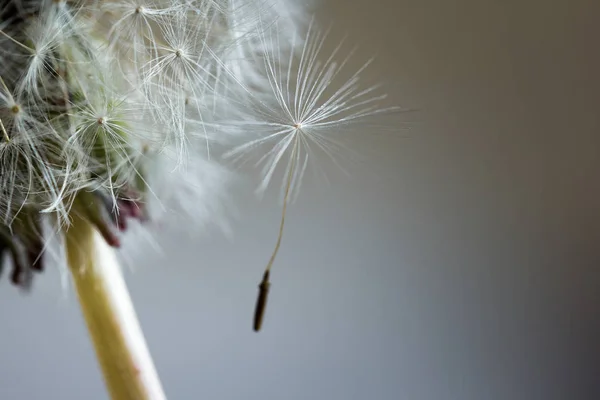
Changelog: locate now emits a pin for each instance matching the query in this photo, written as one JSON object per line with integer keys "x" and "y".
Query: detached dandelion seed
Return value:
{"x": 302, "y": 108}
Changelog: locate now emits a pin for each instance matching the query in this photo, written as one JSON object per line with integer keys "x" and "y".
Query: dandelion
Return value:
{"x": 109, "y": 114}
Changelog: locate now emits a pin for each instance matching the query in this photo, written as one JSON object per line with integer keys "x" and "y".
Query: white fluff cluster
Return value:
{"x": 104, "y": 103}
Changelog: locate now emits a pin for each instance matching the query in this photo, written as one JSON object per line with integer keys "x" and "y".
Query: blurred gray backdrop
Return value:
{"x": 460, "y": 263}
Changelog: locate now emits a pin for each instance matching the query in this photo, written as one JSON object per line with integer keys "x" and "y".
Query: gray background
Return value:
{"x": 461, "y": 262}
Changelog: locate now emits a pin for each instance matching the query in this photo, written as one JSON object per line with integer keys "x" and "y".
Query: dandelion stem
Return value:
{"x": 129, "y": 372}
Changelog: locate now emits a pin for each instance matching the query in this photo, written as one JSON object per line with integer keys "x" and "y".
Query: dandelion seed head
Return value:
{"x": 120, "y": 110}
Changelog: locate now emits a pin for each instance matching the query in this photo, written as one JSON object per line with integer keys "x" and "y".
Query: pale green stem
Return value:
{"x": 129, "y": 372}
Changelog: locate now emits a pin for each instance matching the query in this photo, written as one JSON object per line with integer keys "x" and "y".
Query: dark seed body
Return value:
{"x": 261, "y": 301}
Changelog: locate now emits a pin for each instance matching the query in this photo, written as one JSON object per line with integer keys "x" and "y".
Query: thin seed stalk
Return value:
{"x": 121, "y": 349}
